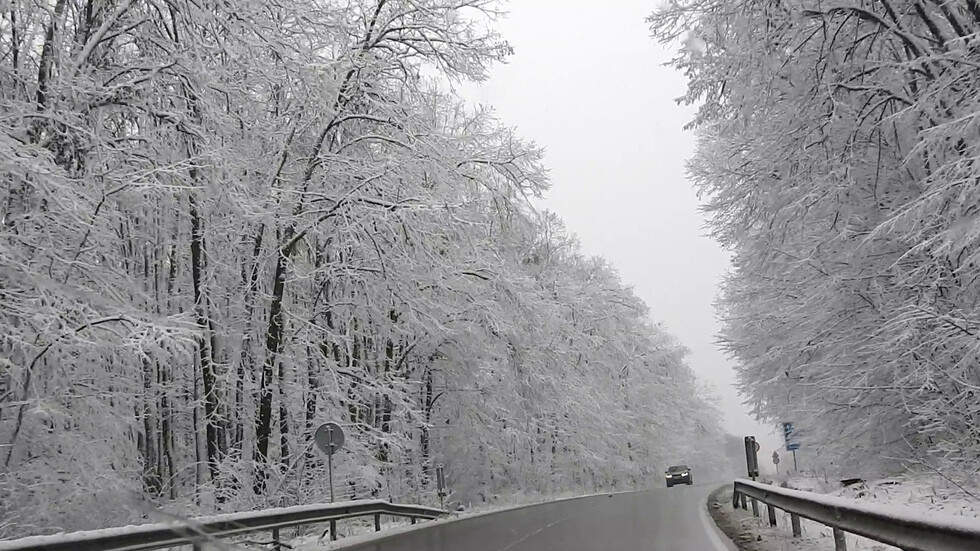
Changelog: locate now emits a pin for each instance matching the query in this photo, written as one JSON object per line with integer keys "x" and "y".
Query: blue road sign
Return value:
{"x": 789, "y": 437}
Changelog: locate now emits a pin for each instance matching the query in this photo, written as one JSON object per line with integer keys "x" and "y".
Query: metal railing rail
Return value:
{"x": 904, "y": 529}
{"x": 201, "y": 530}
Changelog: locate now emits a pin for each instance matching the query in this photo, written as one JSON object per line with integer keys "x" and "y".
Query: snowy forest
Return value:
{"x": 225, "y": 223}
{"x": 839, "y": 161}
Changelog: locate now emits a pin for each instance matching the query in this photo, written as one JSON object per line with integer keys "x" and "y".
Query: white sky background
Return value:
{"x": 587, "y": 83}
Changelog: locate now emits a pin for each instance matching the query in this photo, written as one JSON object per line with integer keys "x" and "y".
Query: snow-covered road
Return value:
{"x": 656, "y": 520}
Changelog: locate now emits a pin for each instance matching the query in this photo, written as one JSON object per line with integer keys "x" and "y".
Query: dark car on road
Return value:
{"x": 679, "y": 474}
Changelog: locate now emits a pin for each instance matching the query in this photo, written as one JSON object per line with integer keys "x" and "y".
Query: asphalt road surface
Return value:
{"x": 665, "y": 519}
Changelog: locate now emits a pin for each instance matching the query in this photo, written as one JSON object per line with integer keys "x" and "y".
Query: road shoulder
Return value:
{"x": 751, "y": 533}
{"x": 744, "y": 530}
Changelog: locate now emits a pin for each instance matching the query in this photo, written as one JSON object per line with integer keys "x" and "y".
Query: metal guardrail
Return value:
{"x": 201, "y": 530}
{"x": 901, "y": 528}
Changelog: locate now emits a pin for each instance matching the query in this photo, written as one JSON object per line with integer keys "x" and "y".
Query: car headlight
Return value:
{"x": 668, "y": 476}
{"x": 685, "y": 474}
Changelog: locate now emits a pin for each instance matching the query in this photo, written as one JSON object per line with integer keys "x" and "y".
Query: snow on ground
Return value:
{"x": 933, "y": 494}
{"x": 928, "y": 494}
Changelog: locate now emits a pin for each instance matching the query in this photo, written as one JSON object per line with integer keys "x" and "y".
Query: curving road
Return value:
{"x": 673, "y": 519}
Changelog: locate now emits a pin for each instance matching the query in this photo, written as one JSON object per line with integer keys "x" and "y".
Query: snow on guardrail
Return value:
{"x": 899, "y": 526}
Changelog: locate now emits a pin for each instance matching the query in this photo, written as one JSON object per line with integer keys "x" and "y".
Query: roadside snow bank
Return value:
{"x": 932, "y": 494}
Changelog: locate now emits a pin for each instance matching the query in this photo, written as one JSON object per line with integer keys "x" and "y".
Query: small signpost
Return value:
{"x": 792, "y": 444}
{"x": 789, "y": 436}
{"x": 441, "y": 484}
{"x": 329, "y": 438}
{"x": 775, "y": 460}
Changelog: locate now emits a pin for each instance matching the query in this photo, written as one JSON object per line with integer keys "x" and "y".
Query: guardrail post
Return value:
{"x": 772, "y": 515}
{"x": 196, "y": 546}
{"x": 794, "y": 519}
{"x": 377, "y": 522}
{"x": 735, "y": 500}
{"x": 275, "y": 539}
{"x": 755, "y": 507}
{"x": 744, "y": 503}
{"x": 333, "y": 530}
{"x": 413, "y": 520}
{"x": 840, "y": 542}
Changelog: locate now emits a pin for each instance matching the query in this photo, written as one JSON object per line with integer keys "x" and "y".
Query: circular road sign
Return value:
{"x": 329, "y": 437}
{"x": 757, "y": 447}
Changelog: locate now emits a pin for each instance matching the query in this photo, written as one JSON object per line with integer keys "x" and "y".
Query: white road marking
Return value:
{"x": 542, "y": 529}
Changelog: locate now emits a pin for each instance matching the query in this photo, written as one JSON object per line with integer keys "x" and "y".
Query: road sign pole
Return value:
{"x": 330, "y": 460}
{"x": 333, "y": 523}
{"x": 329, "y": 437}
{"x": 795, "y": 468}
{"x": 441, "y": 485}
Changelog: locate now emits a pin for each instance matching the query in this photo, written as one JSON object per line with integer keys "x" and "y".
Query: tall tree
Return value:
{"x": 837, "y": 163}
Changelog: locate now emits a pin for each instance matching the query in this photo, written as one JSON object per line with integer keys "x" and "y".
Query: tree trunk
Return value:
{"x": 166, "y": 409}
{"x": 152, "y": 460}
{"x": 195, "y": 419}
{"x": 152, "y": 482}
{"x": 283, "y": 419}
{"x": 386, "y": 405}
{"x": 47, "y": 54}
{"x": 205, "y": 340}
{"x": 251, "y": 280}
{"x": 273, "y": 345}
{"x": 312, "y": 387}
{"x": 166, "y": 435}
{"x": 427, "y": 419}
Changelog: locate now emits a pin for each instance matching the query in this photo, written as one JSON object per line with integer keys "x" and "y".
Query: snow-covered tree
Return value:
{"x": 838, "y": 161}
{"x": 223, "y": 224}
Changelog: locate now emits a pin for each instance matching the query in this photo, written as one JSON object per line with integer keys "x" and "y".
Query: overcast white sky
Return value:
{"x": 587, "y": 83}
